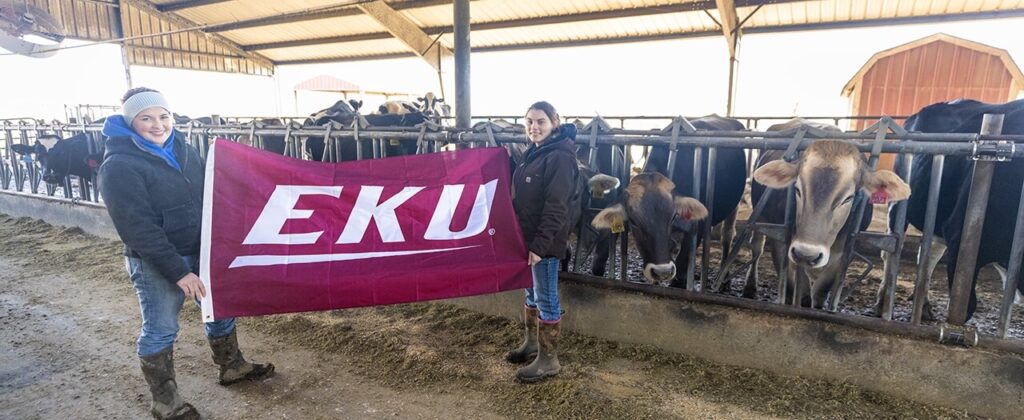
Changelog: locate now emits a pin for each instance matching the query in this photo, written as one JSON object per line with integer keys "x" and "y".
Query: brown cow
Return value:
{"x": 651, "y": 209}
{"x": 827, "y": 178}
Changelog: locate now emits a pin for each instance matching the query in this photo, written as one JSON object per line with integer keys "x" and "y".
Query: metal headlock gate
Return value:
{"x": 885, "y": 136}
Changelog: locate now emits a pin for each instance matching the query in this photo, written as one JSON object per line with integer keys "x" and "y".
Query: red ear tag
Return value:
{"x": 880, "y": 196}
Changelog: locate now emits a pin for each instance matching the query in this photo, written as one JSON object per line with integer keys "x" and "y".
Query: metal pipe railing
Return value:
{"x": 974, "y": 145}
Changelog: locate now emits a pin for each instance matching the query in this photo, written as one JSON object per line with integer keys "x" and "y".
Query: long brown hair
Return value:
{"x": 547, "y": 109}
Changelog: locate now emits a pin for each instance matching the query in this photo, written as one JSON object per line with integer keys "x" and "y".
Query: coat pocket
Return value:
{"x": 178, "y": 218}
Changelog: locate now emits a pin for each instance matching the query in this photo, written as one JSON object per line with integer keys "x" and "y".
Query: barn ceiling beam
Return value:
{"x": 347, "y": 8}
{"x": 730, "y": 24}
{"x": 690, "y": 34}
{"x": 517, "y": 23}
{"x": 187, "y": 4}
{"x": 172, "y": 50}
{"x": 181, "y": 22}
{"x": 408, "y": 32}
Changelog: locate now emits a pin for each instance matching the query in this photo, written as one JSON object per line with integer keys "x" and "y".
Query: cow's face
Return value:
{"x": 826, "y": 181}
{"x": 651, "y": 210}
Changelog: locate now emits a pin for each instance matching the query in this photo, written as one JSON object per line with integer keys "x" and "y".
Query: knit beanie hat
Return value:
{"x": 140, "y": 102}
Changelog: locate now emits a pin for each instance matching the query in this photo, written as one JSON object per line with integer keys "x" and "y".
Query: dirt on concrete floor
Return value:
{"x": 70, "y": 319}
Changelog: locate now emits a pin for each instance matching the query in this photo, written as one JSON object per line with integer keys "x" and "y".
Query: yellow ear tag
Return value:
{"x": 618, "y": 227}
{"x": 395, "y": 142}
{"x": 597, "y": 193}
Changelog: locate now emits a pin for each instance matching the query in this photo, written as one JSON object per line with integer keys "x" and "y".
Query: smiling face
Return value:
{"x": 153, "y": 124}
{"x": 538, "y": 125}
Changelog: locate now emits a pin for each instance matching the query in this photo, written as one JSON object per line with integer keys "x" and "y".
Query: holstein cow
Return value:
{"x": 343, "y": 114}
{"x": 964, "y": 116}
{"x": 428, "y": 106}
{"x": 270, "y": 143}
{"x": 827, "y": 178}
{"x": 730, "y": 180}
{"x": 397, "y": 107}
{"x": 59, "y": 158}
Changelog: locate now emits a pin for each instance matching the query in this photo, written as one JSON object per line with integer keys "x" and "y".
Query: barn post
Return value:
{"x": 974, "y": 222}
{"x": 462, "y": 58}
{"x": 923, "y": 281}
{"x": 1013, "y": 271}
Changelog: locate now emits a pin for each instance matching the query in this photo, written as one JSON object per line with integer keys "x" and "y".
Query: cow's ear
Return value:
{"x": 776, "y": 174}
{"x": 690, "y": 209}
{"x": 885, "y": 187}
{"x": 602, "y": 184}
{"x": 610, "y": 217}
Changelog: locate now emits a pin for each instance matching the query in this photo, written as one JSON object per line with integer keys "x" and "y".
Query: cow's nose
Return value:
{"x": 805, "y": 254}
{"x": 660, "y": 272}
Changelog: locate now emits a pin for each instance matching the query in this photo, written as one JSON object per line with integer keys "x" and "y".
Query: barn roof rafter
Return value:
{"x": 253, "y": 37}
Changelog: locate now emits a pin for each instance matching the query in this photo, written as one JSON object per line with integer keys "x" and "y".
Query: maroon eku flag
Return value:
{"x": 283, "y": 235}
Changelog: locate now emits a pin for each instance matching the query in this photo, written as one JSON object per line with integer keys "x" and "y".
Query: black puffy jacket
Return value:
{"x": 544, "y": 193}
{"x": 156, "y": 209}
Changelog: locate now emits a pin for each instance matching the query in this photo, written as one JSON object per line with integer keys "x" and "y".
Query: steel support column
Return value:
{"x": 974, "y": 222}
{"x": 462, "y": 58}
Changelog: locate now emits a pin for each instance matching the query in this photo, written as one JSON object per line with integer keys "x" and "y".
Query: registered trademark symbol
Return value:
{"x": 490, "y": 231}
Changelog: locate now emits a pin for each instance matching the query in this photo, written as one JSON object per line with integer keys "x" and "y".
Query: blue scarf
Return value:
{"x": 115, "y": 126}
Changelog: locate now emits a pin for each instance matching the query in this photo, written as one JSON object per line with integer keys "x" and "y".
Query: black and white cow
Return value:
{"x": 59, "y": 157}
{"x": 964, "y": 116}
{"x": 342, "y": 114}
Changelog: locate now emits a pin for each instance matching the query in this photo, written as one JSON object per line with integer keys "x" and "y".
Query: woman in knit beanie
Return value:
{"x": 152, "y": 183}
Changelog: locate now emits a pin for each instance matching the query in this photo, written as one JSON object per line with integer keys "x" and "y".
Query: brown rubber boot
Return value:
{"x": 158, "y": 370}
{"x": 528, "y": 350}
{"x": 546, "y": 364}
{"x": 233, "y": 367}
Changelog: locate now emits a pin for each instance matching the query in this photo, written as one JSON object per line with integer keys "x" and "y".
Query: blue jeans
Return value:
{"x": 544, "y": 293}
{"x": 160, "y": 301}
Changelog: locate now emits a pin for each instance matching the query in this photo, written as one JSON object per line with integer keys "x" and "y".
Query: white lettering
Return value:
{"x": 440, "y": 224}
{"x": 367, "y": 209}
{"x": 279, "y": 209}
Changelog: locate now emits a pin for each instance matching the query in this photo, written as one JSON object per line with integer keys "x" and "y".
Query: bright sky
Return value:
{"x": 780, "y": 74}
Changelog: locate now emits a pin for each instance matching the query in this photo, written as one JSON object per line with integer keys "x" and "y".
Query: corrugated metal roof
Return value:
{"x": 252, "y": 36}
{"x": 94, "y": 20}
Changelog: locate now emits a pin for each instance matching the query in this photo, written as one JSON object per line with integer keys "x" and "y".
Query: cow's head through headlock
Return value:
{"x": 651, "y": 210}
{"x": 826, "y": 180}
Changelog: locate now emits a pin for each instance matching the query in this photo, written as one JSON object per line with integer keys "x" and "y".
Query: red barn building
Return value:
{"x": 903, "y": 79}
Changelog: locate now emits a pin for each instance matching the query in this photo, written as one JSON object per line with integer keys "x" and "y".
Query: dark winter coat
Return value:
{"x": 156, "y": 209}
{"x": 543, "y": 193}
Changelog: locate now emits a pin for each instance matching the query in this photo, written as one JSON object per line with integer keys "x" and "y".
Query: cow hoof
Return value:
{"x": 750, "y": 293}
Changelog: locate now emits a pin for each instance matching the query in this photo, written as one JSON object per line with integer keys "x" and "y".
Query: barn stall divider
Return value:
{"x": 870, "y": 351}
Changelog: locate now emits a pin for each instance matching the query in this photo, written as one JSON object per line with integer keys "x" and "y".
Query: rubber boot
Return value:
{"x": 158, "y": 370}
{"x": 528, "y": 350}
{"x": 546, "y": 364}
{"x": 233, "y": 367}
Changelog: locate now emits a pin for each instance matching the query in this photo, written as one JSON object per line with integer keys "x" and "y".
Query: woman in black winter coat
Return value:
{"x": 543, "y": 191}
{"x": 152, "y": 183}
